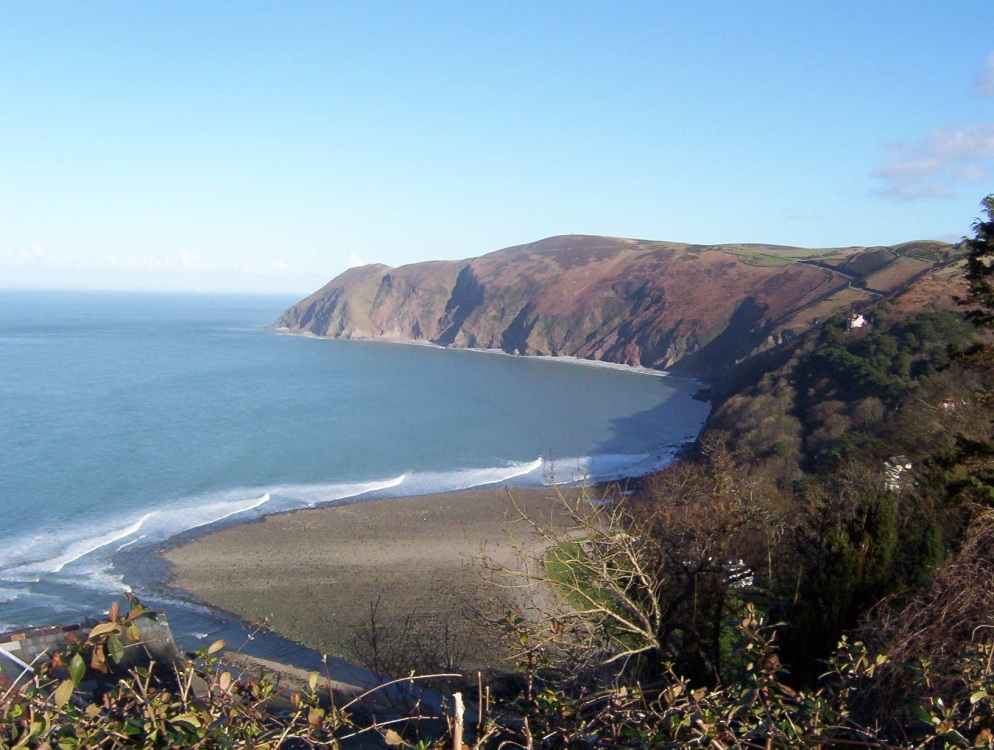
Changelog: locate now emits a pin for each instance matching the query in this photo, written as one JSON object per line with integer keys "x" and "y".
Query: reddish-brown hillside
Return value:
{"x": 687, "y": 308}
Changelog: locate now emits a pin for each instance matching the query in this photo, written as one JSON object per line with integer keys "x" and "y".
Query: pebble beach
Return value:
{"x": 313, "y": 575}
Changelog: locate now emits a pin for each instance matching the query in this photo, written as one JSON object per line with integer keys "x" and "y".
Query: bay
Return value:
{"x": 129, "y": 420}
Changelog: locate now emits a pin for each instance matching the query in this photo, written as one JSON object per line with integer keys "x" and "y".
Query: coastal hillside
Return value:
{"x": 827, "y": 392}
{"x": 692, "y": 309}
{"x": 816, "y": 572}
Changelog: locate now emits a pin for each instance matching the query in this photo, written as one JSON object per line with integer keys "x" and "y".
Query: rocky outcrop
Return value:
{"x": 687, "y": 308}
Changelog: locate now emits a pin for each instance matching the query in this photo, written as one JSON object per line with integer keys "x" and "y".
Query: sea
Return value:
{"x": 132, "y": 421}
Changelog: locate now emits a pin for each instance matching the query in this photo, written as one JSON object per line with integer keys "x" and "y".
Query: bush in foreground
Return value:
{"x": 200, "y": 705}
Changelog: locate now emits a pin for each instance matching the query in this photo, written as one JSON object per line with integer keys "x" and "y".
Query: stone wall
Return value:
{"x": 23, "y": 650}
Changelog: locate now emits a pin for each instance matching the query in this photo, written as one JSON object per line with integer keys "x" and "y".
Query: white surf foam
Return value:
{"x": 428, "y": 482}
{"x": 83, "y": 556}
{"x": 88, "y": 550}
{"x": 132, "y": 541}
{"x": 251, "y": 505}
{"x": 190, "y": 513}
{"x": 83, "y": 553}
{"x": 310, "y": 495}
{"x": 31, "y": 547}
{"x": 80, "y": 548}
{"x": 99, "y": 577}
{"x": 604, "y": 467}
{"x": 92, "y": 545}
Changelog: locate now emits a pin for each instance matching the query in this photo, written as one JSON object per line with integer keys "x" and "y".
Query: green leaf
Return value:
{"x": 978, "y": 696}
{"x": 188, "y": 721}
{"x": 104, "y": 628}
{"x": 312, "y": 681}
{"x": 115, "y": 648}
{"x": 315, "y": 717}
{"x": 958, "y": 738}
{"x": 921, "y": 714}
{"x": 134, "y": 634}
{"x": 77, "y": 669}
{"x": 64, "y": 692}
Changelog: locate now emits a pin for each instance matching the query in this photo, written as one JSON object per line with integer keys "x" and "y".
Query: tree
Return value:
{"x": 980, "y": 268}
{"x": 654, "y": 579}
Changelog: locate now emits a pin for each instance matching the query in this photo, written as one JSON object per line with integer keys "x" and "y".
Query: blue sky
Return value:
{"x": 267, "y": 146}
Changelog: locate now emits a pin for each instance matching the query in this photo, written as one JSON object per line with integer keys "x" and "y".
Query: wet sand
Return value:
{"x": 313, "y": 575}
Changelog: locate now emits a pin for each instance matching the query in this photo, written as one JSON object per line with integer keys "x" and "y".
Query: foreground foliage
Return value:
{"x": 141, "y": 710}
{"x": 78, "y": 700}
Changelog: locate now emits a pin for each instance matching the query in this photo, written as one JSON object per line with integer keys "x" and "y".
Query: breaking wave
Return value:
{"x": 604, "y": 468}
{"x": 84, "y": 553}
{"x": 56, "y": 561}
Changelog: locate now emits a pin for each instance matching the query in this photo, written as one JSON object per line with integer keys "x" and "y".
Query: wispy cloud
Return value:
{"x": 984, "y": 83}
{"x": 33, "y": 257}
{"x": 934, "y": 166}
{"x": 354, "y": 261}
{"x": 276, "y": 268}
{"x": 947, "y": 158}
{"x": 191, "y": 263}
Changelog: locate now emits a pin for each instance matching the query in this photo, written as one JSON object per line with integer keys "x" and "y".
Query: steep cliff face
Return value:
{"x": 686, "y": 308}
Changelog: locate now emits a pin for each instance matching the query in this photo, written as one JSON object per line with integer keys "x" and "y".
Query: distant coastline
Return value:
{"x": 568, "y": 359}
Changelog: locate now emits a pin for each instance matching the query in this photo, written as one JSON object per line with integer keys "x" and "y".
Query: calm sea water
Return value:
{"x": 129, "y": 419}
